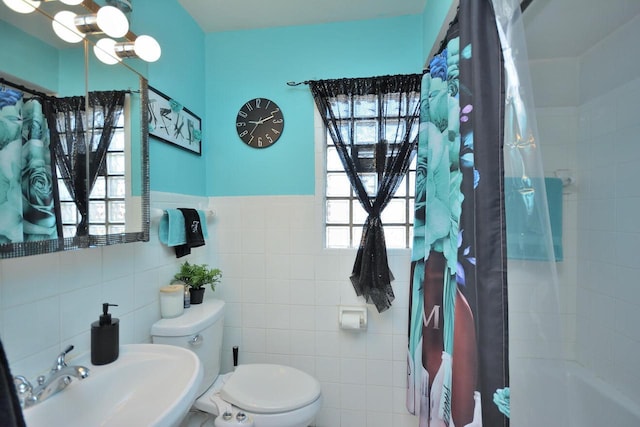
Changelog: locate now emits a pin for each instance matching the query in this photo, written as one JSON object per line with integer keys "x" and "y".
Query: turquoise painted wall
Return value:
{"x": 435, "y": 12}
{"x": 243, "y": 65}
{"x": 214, "y": 74}
{"x": 179, "y": 73}
{"x": 30, "y": 59}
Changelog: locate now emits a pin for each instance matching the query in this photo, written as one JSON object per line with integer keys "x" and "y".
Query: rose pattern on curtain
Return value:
{"x": 27, "y": 184}
{"x": 389, "y": 158}
{"x": 458, "y": 348}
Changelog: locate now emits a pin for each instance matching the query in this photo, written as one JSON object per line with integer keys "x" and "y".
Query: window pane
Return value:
{"x": 394, "y": 131}
{"x": 69, "y": 230}
{"x": 338, "y": 185}
{"x": 394, "y": 106}
{"x": 116, "y": 229}
{"x": 98, "y": 191}
{"x": 344, "y": 134}
{"x": 340, "y": 106}
{"x": 357, "y": 236}
{"x": 98, "y": 229}
{"x": 394, "y": 213}
{"x": 97, "y": 211}
{"x": 359, "y": 214}
{"x": 117, "y": 186}
{"x": 69, "y": 213}
{"x": 395, "y": 237}
{"x": 412, "y": 184}
{"x": 414, "y": 130}
{"x": 412, "y": 210}
{"x": 401, "y": 191}
{"x": 337, "y": 237}
{"x": 333, "y": 160}
{"x": 117, "y": 211}
{"x": 62, "y": 189}
{"x": 337, "y": 211}
{"x": 370, "y": 183}
{"x": 366, "y": 132}
{"x": 366, "y": 107}
{"x": 117, "y": 141}
{"x": 115, "y": 163}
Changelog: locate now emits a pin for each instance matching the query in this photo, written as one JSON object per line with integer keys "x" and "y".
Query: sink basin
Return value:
{"x": 148, "y": 385}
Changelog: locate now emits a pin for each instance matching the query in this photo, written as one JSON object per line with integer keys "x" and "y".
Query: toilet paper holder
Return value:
{"x": 352, "y": 317}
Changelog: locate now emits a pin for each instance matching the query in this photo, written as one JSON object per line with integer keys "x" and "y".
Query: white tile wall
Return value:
{"x": 597, "y": 138}
{"x": 49, "y": 301}
{"x": 290, "y": 292}
{"x": 609, "y": 202}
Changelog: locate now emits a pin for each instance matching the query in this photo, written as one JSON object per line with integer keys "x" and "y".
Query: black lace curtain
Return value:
{"x": 393, "y": 103}
{"x": 69, "y": 140}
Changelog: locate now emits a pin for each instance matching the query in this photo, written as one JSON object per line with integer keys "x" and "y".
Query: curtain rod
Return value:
{"x": 306, "y": 82}
{"x": 17, "y": 86}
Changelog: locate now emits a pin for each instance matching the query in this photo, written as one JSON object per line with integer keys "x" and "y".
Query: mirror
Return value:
{"x": 111, "y": 208}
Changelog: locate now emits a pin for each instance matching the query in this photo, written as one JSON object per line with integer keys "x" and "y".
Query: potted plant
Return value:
{"x": 196, "y": 276}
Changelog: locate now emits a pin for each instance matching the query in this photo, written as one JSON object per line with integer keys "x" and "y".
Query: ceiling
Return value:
{"x": 568, "y": 28}
{"x": 226, "y": 15}
{"x": 555, "y": 28}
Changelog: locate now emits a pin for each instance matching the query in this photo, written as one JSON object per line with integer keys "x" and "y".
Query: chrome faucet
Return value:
{"x": 60, "y": 376}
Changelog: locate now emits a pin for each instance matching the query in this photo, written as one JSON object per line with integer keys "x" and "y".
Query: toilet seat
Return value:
{"x": 269, "y": 389}
{"x": 301, "y": 416}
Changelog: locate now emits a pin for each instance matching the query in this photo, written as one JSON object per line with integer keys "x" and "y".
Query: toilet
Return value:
{"x": 253, "y": 395}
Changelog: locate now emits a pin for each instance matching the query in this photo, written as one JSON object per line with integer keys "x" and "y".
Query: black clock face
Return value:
{"x": 260, "y": 123}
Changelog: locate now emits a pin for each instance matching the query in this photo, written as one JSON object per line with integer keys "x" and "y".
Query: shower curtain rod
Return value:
{"x": 4, "y": 82}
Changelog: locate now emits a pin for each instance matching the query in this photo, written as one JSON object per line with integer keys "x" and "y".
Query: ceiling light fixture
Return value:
{"x": 144, "y": 47}
{"x": 104, "y": 50}
{"x": 109, "y": 20}
{"x": 22, "y": 6}
{"x": 64, "y": 26}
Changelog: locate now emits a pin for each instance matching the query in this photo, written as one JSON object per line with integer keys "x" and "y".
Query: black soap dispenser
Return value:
{"x": 105, "y": 337}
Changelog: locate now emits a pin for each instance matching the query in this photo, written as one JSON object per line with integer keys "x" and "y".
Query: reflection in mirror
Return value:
{"x": 67, "y": 182}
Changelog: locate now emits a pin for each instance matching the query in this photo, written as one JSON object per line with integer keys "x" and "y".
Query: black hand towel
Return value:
{"x": 193, "y": 232}
{"x": 10, "y": 412}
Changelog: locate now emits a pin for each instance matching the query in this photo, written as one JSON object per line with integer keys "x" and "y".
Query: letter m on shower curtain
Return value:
{"x": 458, "y": 332}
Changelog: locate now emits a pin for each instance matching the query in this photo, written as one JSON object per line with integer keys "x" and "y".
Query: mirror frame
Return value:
{"x": 21, "y": 249}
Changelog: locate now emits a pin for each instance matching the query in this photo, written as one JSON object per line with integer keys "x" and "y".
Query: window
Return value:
{"x": 107, "y": 198}
{"x": 344, "y": 215}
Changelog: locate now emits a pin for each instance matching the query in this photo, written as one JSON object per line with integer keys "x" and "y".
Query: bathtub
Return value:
{"x": 548, "y": 393}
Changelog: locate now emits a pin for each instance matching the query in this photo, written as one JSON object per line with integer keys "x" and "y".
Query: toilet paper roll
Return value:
{"x": 350, "y": 320}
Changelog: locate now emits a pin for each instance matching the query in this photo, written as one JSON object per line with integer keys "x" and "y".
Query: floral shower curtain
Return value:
{"x": 458, "y": 349}
{"x": 27, "y": 211}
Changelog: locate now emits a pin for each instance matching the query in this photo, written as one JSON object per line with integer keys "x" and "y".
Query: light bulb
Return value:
{"x": 147, "y": 48}
{"x": 112, "y": 21}
{"x": 72, "y": 2}
{"x": 22, "y": 6}
{"x": 65, "y": 28}
{"x": 105, "y": 51}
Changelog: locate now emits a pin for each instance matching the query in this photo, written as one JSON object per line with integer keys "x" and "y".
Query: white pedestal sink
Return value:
{"x": 148, "y": 385}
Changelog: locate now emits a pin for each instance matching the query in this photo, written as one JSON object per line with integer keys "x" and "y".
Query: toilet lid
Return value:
{"x": 268, "y": 389}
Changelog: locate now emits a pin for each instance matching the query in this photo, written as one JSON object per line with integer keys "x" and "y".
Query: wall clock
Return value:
{"x": 260, "y": 123}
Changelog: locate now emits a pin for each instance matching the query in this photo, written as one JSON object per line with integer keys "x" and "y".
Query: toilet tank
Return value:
{"x": 199, "y": 329}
